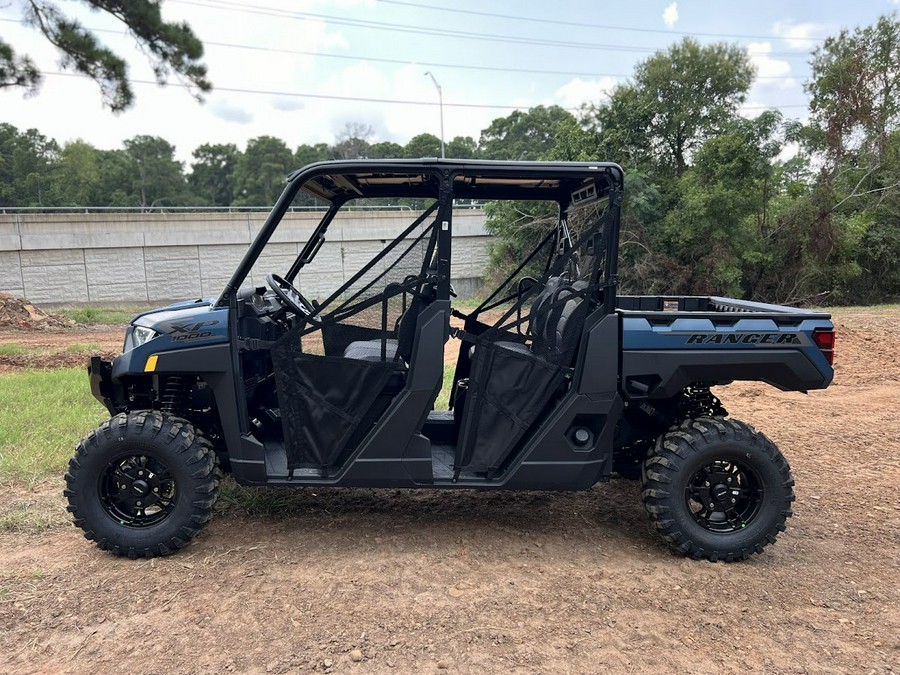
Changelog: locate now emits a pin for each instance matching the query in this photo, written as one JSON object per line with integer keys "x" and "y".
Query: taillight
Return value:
{"x": 824, "y": 339}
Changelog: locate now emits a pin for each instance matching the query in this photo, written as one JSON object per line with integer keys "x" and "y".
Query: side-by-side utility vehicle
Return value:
{"x": 321, "y": 364}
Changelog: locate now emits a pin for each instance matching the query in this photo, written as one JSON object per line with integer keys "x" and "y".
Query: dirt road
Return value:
{"x": 376, "y": 581}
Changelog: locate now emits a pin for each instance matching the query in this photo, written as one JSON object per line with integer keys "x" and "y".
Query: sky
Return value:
{"x": 275, "y": 63}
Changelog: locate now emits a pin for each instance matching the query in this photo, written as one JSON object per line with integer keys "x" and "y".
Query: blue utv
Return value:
{"x": 559, "y": 384}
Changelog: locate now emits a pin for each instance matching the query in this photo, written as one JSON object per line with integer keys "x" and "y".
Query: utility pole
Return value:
{"x": 441, "y": 106}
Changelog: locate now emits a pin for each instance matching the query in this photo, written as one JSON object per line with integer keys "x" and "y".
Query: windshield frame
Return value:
{"x": 445, "y": 171}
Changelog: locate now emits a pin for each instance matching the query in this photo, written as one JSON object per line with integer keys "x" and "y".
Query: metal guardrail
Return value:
{"x": 4, "y": 210}
{"x": 183, "y": 209}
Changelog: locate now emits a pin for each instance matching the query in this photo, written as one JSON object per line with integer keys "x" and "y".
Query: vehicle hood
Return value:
{"x": 192, "y": 322}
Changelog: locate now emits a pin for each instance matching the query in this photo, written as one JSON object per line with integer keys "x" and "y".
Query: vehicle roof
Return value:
{"x": 343, "y": 180}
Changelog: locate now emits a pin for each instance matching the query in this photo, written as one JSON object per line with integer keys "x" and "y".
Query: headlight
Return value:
{"x": 141, "y": 335}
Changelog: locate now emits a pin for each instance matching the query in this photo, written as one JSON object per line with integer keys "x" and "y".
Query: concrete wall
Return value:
{"x": 133, "y": 257}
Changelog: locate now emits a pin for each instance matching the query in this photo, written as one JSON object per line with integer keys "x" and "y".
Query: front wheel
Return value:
{"x": 717, "y": 489}
{"x": 143, "y": 484}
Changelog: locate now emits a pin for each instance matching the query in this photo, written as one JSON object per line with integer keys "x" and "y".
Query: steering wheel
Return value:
{"x": 292, "y": 298}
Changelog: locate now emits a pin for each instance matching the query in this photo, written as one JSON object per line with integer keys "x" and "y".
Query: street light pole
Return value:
{"x": 441, "y": 105}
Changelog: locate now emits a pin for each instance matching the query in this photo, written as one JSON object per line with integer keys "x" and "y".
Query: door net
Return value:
{"x": 520, "y": 344}
{"x": 337, "y": 369}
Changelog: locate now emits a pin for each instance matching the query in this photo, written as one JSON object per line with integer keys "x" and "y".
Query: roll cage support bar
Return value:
{"x": 444, "y": 172}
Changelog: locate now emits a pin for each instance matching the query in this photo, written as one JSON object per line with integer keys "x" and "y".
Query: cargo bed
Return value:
{"x": 670, "y": 342}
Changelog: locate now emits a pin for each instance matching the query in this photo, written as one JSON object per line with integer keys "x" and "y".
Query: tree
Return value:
{"x": 423, "y": 145}
{"x": 8, "y": 136}
{"x": 260, "y": 172}
{"x": 878, "y": 249}
{"x": 116, "y": 172}
{"x": 78, "y": 176}
{"x": 528, "y": 135}
{"x": 385, "y": 150}
{"x": 353, "y": 141}
{"x": 156, "y": 177}
{"x": 855, "y": 89}
{"x": 27, "y": 162}
{"x": 307, "y": 154}
{"x": 462, "y": 147}
{"x": 678, "y": 99}
{"x": 722, "y": 216}
{"x": 852, "y": 213}
{"x": 212, "y": 174}
{"x": 573, "y": 143}
{"x": 173, "y": 49}
{"x": 621, "y": 128}
{"x": 517, "y": 228}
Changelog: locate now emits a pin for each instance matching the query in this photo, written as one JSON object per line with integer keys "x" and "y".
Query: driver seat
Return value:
{"x": 370, "y": 350}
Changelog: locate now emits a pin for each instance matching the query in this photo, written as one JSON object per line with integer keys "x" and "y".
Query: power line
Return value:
{"x": 295, "y": 94}
{"x": 583, "y": 24}
{"x": 427, "y": 64}
{"x": 368, "y": 99}
{"x": 434, "y": 32}
{"x": 431, "y": 64}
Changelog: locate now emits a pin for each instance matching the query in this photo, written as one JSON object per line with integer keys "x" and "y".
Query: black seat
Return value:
{"x": 553, "y": 321}
{"x": 370, "y": 350}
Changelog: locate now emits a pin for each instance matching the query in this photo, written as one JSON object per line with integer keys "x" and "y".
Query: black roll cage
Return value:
{"x": 338, "y": 182}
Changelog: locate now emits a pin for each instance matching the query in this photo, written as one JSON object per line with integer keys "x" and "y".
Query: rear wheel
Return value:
{"x": 143, "y": 484}
{"x": 717, "y": 489}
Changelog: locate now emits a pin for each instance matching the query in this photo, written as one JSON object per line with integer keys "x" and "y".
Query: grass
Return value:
{"x": 443, "y": 399}
{"x": 78, "y": 348}
{"x": 466, "y": 305}
{"x": 91, "y": 316}
{"x": 12, "y": 349}
{"x": 35, "y": 512}
{"x": 43, "y": 414}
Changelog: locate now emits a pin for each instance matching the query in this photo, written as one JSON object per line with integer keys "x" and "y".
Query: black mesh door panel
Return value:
{"x": 511, "y": 390}
{"x": 323, "y": 399}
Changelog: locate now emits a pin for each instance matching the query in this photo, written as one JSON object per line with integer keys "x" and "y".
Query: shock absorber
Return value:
{"x": 174, "y": 395}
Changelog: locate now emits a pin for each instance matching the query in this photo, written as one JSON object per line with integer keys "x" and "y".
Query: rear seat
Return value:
{"x": 550, "y": 321}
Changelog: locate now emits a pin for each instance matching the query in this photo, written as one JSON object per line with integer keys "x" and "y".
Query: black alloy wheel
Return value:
{"x": 143, "y": 484}
{"x": 724, "y": 496}
{"x": 137, "y": 491}
{"x": 716, "y": 488}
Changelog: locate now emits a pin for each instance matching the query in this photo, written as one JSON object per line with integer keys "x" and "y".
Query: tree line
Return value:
{"x": 712, "y": 205}
{"x": 36, "y": 171}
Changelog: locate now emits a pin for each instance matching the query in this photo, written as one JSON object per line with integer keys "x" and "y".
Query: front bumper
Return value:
{"x": 102, "y": 387}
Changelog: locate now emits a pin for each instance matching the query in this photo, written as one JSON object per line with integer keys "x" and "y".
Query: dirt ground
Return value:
{"x": 376, "y": 581}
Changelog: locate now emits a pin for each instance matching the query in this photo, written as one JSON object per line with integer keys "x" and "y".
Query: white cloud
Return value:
{"x": 771, "y": 73}
{"x": 775, "y": 84}
{"x": 801, "y": 35}
{"x": 233, "y": 116}
{"x": 790, "y": 150}
{"x": 670, "y": 15}
{"x": 577, "y": 91}
{"x": 752, "y": 108}
{"x": 391, "y": 122}
{"x": 225, "y": 110}
{"x": 287, "y": 103}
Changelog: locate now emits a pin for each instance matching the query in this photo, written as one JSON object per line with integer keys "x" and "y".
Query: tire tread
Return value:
{"x": 188, "y": 444}
{"x": 668, "y": 458}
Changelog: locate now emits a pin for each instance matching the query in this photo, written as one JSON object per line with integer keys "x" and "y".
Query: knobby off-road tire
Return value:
{"x": 143, "y": 484}
{"x": 717, "y": 489}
